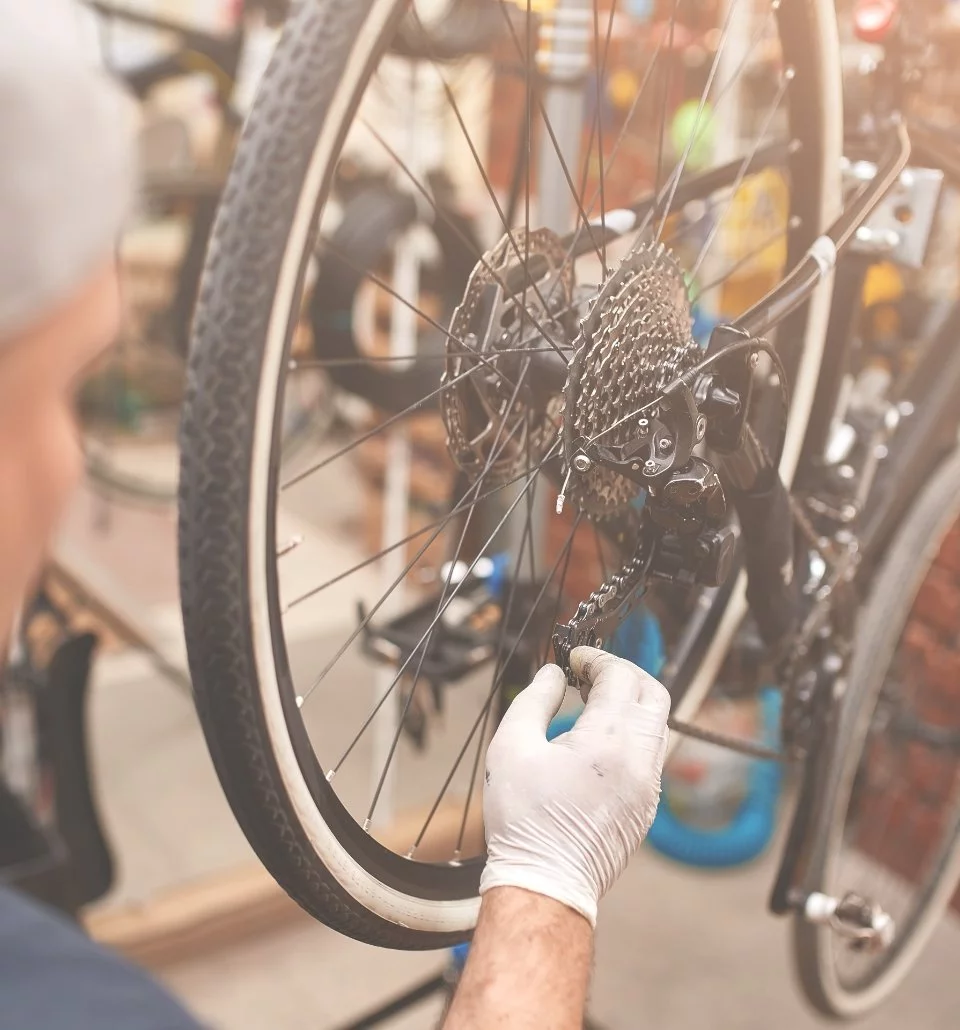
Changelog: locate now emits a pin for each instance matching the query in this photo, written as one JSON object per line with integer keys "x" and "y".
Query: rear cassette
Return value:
{"x": 636, "y": 340}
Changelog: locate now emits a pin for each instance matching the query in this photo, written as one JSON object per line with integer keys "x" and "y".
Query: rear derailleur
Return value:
{"x": 687, "y": 537}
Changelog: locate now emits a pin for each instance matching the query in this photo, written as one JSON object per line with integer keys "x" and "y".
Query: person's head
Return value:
{"x": 66, "y": 174}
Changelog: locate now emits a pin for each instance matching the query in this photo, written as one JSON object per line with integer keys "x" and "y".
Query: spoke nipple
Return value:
{"x": 291, "y": 545}
{"x": 409, "y": 854}
{"x": 456, "y": 857}
{"x": 330, "y": 775}
{"x": 299, "y": 701}
{"x": 366, "y": 825}
{"x": 790, "y": 74}
{"x": 292, "y": 365}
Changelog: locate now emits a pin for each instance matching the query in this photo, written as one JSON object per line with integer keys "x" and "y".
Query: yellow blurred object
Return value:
{"x": 622, "y": 87}
{"x": 883, "y": 284}
{"x": 753, "y": 233}
{"x": 740, "y": 292}
{"x": 536, "y": 6}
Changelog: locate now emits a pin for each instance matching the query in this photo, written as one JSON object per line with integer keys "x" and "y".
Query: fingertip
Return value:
{"x": 550, "y": 674}
{"x": 602, "y": 673}
{"x": 583, "y": 661}
{"x": 537, "y": 704}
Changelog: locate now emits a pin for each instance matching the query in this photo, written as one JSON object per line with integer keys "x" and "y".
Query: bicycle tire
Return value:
{"x": 893, "y": 590}
{"x": 286, "y": 807}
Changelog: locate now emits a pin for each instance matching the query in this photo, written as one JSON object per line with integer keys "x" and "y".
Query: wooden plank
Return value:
{"x": 103, "y": 597}
{"x": 190, "y": 921}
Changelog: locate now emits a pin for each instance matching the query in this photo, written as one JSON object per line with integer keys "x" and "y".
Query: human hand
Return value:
{"x": 563, "y": 817}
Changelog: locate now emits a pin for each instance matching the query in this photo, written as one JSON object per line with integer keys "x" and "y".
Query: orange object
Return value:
{"x": 873, "y": 19}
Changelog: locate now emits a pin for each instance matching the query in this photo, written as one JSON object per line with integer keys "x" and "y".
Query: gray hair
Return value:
{"x": 66, "y": 160}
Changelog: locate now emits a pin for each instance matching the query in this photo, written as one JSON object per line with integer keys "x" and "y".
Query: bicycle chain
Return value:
{"x": 587, "y": 626}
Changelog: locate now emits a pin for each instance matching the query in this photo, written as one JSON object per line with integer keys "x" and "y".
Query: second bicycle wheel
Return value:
{"x": 887, "y": 830}
{"x": 356, "y": 622}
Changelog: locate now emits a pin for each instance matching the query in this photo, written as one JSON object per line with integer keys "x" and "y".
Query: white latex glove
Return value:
{"x": 563, "y": 817}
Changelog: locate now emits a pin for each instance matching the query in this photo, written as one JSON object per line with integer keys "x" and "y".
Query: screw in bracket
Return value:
{"x": 582, "y": 463}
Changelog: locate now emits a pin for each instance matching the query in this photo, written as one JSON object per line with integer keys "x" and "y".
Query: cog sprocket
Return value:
{"x": 636, "y": 340}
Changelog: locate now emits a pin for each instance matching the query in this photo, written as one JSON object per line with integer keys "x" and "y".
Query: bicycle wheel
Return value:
{"x": 485, "y": 570}
{"x": 889, "y": 813}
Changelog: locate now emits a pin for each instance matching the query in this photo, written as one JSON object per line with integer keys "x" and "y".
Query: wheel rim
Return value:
{"x": 455, "y": 878}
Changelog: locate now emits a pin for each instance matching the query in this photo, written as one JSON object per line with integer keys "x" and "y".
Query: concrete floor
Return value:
{"x": 675, "y": 948}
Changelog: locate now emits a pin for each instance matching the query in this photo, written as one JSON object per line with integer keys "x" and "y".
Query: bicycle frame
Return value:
{"x": 919, "y": 445}
{"x": 198, "y": 51}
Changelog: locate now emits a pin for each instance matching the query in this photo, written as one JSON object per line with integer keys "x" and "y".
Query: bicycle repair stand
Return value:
{"x": 444, "y": 982}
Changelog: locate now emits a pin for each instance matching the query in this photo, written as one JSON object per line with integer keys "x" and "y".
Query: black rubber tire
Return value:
{"x": 216, "y": 445}
{"x": 892, "y": 593}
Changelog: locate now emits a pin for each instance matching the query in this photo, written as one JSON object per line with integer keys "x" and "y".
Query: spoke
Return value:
{"x": 387, "y": 288}
{"x": 438, "y": 526}
{"x": 603, "y": 562}
{"x": 493, "y": 691}
{"x": 299, "y": 364}
{"x": 528, "y": 161}
{"x": 492, "y": 193}
{"x": 528, "y": 523}
{"x": 664, "y": 97}
{"x": 458, "y": 232}
{"x": 443, "y": 596}
{"x": 563, "y": 579}
{"x": 442, "y": 521}
{"x": 600, "y": 64}
{"x": 300, "y": 476}
{"x": 572, "y": 249}
{"x": 653, "y": 201}
{"x": 694, "y": 134}
{"x": 416, "y": 676}
{"x": 741, "y": 175}
{"x": 453, "y": 595}
{"x": 553, "y": 139}
{"x": 746, "y": 259}
{"x": 526, "y": 541}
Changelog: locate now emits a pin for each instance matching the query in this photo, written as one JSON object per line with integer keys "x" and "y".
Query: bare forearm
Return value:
{"x": 529, "y": 966}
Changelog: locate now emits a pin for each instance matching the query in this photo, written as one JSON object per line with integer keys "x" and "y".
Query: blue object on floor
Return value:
{"x": 747, "y": 835}
{"x": 458, "y": 956}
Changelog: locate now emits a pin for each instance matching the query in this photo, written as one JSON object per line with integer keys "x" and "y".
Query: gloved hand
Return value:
{"x": 563, "y": 817}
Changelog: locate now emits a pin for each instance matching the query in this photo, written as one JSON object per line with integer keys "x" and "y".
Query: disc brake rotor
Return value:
{"x": 495, "y": 427}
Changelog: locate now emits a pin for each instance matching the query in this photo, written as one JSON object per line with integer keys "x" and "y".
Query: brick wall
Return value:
{"x": 913, "y": 786}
